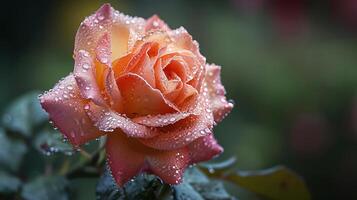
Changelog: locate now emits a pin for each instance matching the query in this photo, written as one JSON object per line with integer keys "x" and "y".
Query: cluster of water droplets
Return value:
{"x": 108, "y": 121}
{"x": 161, "y": 120}
{"x": 216, "y": 94}
{"x": 169, "y": 167}
{"x": 62, "y": 91}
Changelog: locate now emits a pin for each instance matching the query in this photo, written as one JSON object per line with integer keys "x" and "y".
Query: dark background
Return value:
{"x": 290, "y": 66}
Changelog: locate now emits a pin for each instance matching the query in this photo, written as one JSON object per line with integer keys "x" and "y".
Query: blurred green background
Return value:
{"x": 290, "y": 66}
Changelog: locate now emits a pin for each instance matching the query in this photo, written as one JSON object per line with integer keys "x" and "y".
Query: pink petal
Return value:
{"x": 155, "y": 22}
{"x": 103, "y": 50}
{"x": 111, "y": 88}
{"x": 179, "y": 134}
{"x": 142, "y": 62}
{"x": 216, "y": 93}
{"x": 175, "y": 64}
{"x": 169, "y": 165}
{"x": 124, "y": 30}
{"x": 184, "y": 131}
{"x": 92, "y": 29}
{"x": 108, "y": 120}
{"x": 203, "y": 149}
{"x": 138, "y": 94}
{"x": 187, "y": 95}
{"x": 65, "y": 108}
{"x": 125, "y": 157}
{"x": 85, "y": 75}
{"x": 105, "y": 74}
{"x": 184, "y": 41}
{"x": 161, "y": 120}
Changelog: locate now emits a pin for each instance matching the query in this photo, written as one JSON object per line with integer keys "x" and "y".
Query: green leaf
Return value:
{"x": 8, "y": 183}
{"x": 213, "y": 190}
{"x": 194, "y": 175}
{"x": 277, "y": 183}
{"x": 107, "y": 189}
{"x": 50, "y": 141}
{"x": 45, "y": 188}
{"x": 208, "y": 189}
{"x": 24, "y": 114}
{"x": 218, "y": 168}
{"x": 185, "y": 191}
{"x": 143, "y": 187}
{"x": 196, "y": 186}
{"x": 11, "y": 152}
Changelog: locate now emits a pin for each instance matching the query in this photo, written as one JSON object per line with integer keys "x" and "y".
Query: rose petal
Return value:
{"x": 179, "y": 134}
{"x": 125, "y": 157}
{"x": 177, "y": 65}
{"x": 184, "y": 131}
{"x": 138, "y": 94}
{"x": 155, "y": 22}
{"x": 160, "y": 77}
{"x": 65, "y": 107}
{"x": 183, "y": 40}
{"x": 186, "y": 96}
{"x": 169, "y": 165}
{"x": 142, "y": 62}
{"x": 161, "y": 120}
{"x": 92, "y": 29}
{"x": 175, "y": 88}
{"x": 119, "y": 65}
{"x": 111, "y": 88}
{"x": 216, "y": 92}
{"x": 203, "y": 149}
{"x": 103, "y": 50}
{"x": 159, "y": 36}
{"x": 125, "y": 30}
{"x": 85, "y": 75}
{"x": 108, "y": 120}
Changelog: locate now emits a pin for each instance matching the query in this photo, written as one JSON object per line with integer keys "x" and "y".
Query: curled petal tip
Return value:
{"x": 154, "y": 22}
{"x": 105, "y": 11}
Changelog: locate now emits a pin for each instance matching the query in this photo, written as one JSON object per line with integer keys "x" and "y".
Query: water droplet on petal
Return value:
{"x": 85, "y": 66}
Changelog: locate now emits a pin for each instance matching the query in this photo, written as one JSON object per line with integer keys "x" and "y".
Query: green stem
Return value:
{"x": 88, "y": 167}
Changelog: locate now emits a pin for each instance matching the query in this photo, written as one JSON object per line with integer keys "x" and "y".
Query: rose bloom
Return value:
{"x": 145, "y": 87}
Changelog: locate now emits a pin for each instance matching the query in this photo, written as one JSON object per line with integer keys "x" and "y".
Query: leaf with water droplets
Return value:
{"x": 218, "y": 168}
{"x": 24, "y": 114}
{"x": 213, "y": 190}
{"x": 195, "y": 186}
{"x": 107, "y": 189}
{"x": 194, "y": 175}
{"x": 44, "y": 188}
{"x": 185, "y": 191}
{"x": 51, "y": 141}
{"x": 8, "y": 183}
{"x": 201, "y": 188}
{"x": 11, "y": 152}
{"x": 143, "y": 187}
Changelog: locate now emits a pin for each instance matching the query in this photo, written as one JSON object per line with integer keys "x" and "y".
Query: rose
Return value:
{"x": 147, "y": 88}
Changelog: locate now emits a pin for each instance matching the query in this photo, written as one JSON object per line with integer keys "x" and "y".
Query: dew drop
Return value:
{"x": 100, "y": 17}
{"x": 85, "y": 66}
{"x": 155, "y": 24}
